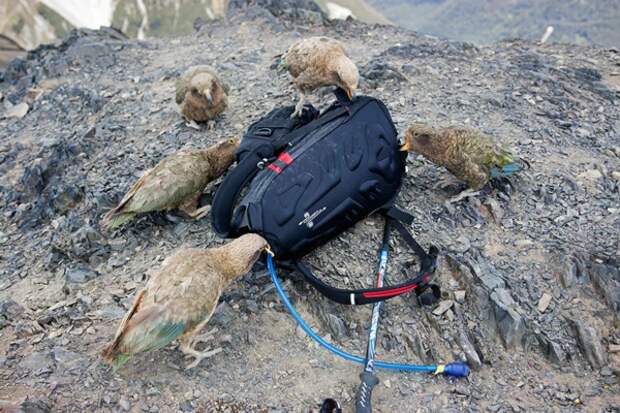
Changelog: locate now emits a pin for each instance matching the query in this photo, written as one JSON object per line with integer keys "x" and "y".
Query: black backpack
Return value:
{"x": 310, "y": 178}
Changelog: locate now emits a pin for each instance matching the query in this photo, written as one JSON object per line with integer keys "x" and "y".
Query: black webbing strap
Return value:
{"x": 372, "y": 295}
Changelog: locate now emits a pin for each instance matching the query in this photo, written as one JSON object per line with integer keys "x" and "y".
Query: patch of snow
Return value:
{"x": 91, "y": 14}
{"x": 338, "y": 12}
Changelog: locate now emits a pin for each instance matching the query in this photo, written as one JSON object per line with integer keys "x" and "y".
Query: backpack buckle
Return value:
{"x": 262, "y": 163}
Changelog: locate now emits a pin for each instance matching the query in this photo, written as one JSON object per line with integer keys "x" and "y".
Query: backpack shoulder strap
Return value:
{"x": 227, "y": 194}
{"x": 371, "y": 295}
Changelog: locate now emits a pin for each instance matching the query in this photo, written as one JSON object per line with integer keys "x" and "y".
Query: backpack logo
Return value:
{"x": 308, "y": 220}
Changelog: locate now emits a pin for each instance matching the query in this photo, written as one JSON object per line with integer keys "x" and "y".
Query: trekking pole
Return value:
{"x": 368, "y": 377}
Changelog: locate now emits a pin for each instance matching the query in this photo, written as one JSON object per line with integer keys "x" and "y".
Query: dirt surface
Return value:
{"x": 110, "y": 114}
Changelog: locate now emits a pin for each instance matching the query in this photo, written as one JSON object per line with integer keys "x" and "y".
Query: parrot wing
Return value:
{"x": 168, "y": 185}
{"x": 149, "y": 328}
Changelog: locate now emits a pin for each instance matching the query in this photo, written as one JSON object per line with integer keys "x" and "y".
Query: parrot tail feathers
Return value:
{"x": 111, "y": 355}
{"x": 115, "y": 219}
{"x": 506, "y": 170}
{"x": 119, "y": 361}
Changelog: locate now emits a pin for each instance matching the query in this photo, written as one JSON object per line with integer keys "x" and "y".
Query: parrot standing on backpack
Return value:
{"x": 317, "y": 62}
{"x": 468, "y": 154}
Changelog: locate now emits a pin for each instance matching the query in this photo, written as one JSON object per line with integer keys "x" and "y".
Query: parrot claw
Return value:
{"x": 188, "y": 348}
{"x": 200, "y": 355}
{"x": 464, "y": 194}
{"x": 203, "y": 338}
{"x": 448, "y": 183}
{"x": 192, "y": 124}
{"x": 299, "y": 107}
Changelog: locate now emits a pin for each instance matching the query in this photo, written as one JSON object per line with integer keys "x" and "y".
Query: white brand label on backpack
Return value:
{"x": 309, "y": 218}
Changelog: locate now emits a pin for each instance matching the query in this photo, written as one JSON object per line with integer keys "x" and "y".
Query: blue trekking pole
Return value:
{"x": 368, "y": 377}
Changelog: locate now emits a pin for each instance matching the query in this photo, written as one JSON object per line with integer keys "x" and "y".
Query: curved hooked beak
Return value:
{"x": 349, "y": 92}
{"x": 207, "y": 94}
{"x": 406, "y": 147}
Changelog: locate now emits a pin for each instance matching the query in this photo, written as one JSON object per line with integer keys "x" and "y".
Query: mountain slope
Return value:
{"x": 530, "y": 277}
{"x": 484, "y": 21}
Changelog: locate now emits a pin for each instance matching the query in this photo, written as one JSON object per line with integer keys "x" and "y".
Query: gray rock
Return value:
{"x": 487, "y": 275}
{"x": 415, "y": 342}
{"x": 473, "y": 358}
{"x": 573, "y": 271}
{"x": 10, "y": 309}
{"x": 37, "y": 363}
{"x": 186, "y": 406}
{"x": 606, "y": 279}
{"x": 224, "y": 314}
{"x": 80, "y": 275}
{"x": 124, "y": 404}
{"x": 336, "y": 325}
{"x": 551, "y": 349}
{"x": 68, "y": 359}
{"x": 590, "y": 344}
{"x": 510, "y": 323}
{"x": 380, "y": 71}
{"x": 443, "y": 306}
{"x": 26, "y": 406}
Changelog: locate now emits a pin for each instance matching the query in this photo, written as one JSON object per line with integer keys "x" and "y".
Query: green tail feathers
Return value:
{"x": 504, "y": 164}
{"x": 113, "y": 220}
{"x": 119, "y": 361}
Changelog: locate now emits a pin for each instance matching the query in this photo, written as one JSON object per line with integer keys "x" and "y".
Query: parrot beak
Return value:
{"x": 349, "y": 93}
{"x": 208, "y": 96}
{"x": 406, "y": 147}
{"x": 268, "y": 250}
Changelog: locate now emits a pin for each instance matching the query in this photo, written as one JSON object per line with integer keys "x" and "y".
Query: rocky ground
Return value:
{"x": 531, "y": 281}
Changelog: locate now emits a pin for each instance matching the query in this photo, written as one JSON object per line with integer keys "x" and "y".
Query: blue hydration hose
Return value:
{"x": 451, "y": 369}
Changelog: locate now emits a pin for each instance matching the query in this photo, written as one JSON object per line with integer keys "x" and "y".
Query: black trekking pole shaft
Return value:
{"x": 368, "y": 378}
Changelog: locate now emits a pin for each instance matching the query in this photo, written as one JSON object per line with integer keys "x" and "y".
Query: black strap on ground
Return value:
{"x": 372, "y": 295}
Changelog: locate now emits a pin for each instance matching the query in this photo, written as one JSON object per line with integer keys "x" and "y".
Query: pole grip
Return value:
{"x": 364, "y": 392}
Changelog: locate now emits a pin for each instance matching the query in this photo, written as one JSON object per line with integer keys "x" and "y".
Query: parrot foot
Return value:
{"x": 448, "y": 182}
{"x": 464, "y": 194}
{"x": 203, "y": 338}
{"x": 299, "y": 107}
{"x": 200, "y": 212}
{"x": 211, "y": 125}
{"x": 198, "y": 355}
{"x": 192, "y": 124}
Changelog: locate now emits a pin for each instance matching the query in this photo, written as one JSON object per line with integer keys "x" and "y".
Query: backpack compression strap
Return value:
{"x": 372, "y": 295}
